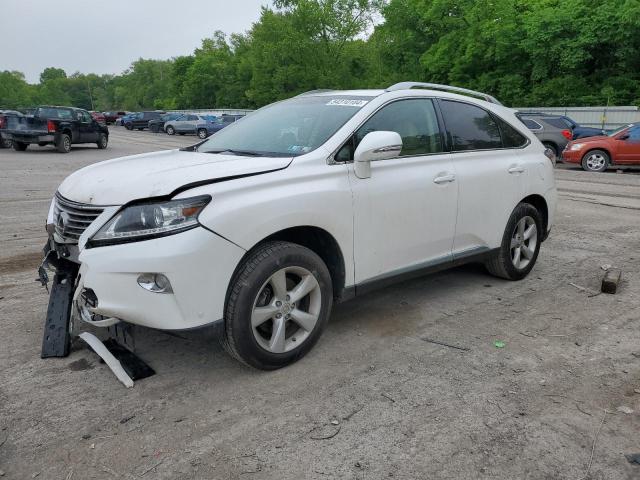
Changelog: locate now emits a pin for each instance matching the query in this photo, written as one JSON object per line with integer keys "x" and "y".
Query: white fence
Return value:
{"x": 215, "y": 112}
{"x": 599, "y": 117}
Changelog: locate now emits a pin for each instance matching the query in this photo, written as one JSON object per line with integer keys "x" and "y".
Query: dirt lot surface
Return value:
{"x": 374, "y": 399}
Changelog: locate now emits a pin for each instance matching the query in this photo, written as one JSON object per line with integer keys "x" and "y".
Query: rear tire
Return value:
{"x": 596, "y": 161}
{"x": 552, "y": 146}
{"x": 520, "y": 244}
{"x": 19, "y": 146}
{"x": 170, "y": 130}
{"x": 278, "y": 304}
{"x": 42, "y": 144}
{"x": 64, "y": 143}
{"x": 103, "y": 141}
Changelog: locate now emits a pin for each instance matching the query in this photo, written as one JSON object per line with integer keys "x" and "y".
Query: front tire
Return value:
{"x": 520, "y": 244}
{"x": 128, "y": 126}
{"x": 278, "y": 304}
{"x": 170, "y": 130}
{"x": 202, "y": 133}
{"x": 64, "y": 143}
{"x": 19, "y": 146}
{"x": 596, "y": 161}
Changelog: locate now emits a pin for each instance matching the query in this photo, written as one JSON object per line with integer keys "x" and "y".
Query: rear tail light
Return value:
{"x": 568, "y": 134}
{"x": 51, "y": 127}
{"x": 2, "y": 121}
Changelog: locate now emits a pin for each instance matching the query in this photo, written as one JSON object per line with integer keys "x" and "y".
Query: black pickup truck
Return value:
{"x": 59, "y": 126}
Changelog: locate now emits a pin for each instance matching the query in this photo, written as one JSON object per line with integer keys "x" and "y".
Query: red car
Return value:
{"x": 595, "y": 154}
{"x": 98, "y": 117}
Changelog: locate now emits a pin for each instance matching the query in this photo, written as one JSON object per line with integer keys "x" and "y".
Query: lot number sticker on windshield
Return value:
{"x": 347, "y": 102}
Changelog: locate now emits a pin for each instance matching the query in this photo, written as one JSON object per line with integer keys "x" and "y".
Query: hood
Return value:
{"x": 597, "y": 138}
{"x": 121, "y": 180}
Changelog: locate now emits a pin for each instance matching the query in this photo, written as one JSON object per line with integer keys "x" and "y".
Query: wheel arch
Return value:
{"x": 318, "y": 240}
{"x": 539, "y": 202}
{"x": 67, "y": 131}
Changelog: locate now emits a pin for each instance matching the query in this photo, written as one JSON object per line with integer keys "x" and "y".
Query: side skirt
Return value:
{"x": 475, "y": 255}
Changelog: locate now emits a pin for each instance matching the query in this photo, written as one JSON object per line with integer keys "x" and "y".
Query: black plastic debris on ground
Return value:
{"x": 633, "y": 458}
{"x": 135, "y": 367}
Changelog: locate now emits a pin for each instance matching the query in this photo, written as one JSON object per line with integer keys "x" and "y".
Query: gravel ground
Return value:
{"x": 374, "y": 399}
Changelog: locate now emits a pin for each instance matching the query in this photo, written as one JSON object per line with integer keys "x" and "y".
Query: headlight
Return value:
{"x": 576, "y": 146}
{"x": 148, "y": 220}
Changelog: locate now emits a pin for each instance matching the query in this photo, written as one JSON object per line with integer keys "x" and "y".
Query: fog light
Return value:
{"x": 155, "y": 282}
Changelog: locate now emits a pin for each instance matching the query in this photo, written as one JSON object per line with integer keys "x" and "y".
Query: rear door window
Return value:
{"x": 470, "y": 127}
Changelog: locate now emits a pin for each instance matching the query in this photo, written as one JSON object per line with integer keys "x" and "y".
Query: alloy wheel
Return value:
{"x": 596, "y": 161}
{"x": 524, "y": 240}
{"x": 286, "y": 309}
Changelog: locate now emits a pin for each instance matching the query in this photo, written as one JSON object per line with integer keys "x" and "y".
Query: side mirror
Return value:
{"x": 623, "y": 137}
{"x": 375, "y": 146}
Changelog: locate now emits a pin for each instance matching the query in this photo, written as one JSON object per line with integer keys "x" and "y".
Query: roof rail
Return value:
{"x": 311, "y": 92}
{"x": 446, "y": 88}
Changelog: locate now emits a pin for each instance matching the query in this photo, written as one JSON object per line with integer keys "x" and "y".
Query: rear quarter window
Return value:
{"x": 531, "y": 124}
{"x": 511, "y": 138}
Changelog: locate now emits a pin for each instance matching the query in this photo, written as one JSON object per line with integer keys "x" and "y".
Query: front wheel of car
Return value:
{"x": 595, "y": 161}
{"x": 128, "y": 126}
{"x": 170, "y": 130}
{"x": 520, "y": 244}
{"x": 202, "y": 133}
{"x": 102, "y": 141}
{"x": 279, "y": 302}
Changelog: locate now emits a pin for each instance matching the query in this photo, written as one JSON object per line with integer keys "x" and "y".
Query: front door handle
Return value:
{"x": 516, "y": 169}
{"x": 445, "y": 179}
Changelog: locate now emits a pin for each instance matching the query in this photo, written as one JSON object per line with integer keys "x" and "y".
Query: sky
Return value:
{"x": 106, "y": 36}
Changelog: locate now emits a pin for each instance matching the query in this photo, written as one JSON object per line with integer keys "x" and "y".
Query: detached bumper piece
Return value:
{"x": 57, "y": 339}
{"x": 126, "y": 366}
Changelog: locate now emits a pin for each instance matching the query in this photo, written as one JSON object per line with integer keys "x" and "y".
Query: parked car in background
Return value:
{"x": 596, "y": 154}
{"x": 546, "y": 129}
{"x": 222, "y": 122}
{"x": 190, "y": 123}
{"x": 60, "y": 126}
{"x": 141, "y": 120}
{"x": 157, "y": 124}
{"x": 304, "y": 203}
{"x": 5, "y": 119}
{"x": 112, "y": 117}
{"x": 562, "y": 121}
{"x": 98, "y": 117}
{"x": 123, "y": 119}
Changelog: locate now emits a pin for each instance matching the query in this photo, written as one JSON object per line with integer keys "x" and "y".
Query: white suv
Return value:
{"x": 303, "y": 203}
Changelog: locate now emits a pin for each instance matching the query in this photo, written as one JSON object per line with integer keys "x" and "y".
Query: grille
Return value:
{"x": 72, "y": 218}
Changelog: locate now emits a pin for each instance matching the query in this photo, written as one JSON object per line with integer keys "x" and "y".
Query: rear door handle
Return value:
{"x": 516, "y": 169}
{"x": 445, "y": 178}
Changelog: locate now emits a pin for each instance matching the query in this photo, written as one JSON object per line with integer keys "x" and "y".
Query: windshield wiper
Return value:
{"x": 245, "y": 153}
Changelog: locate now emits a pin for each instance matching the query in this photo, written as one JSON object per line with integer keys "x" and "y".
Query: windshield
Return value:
{"x": 289, "y": 128}
{"x": 620, "y": 129}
